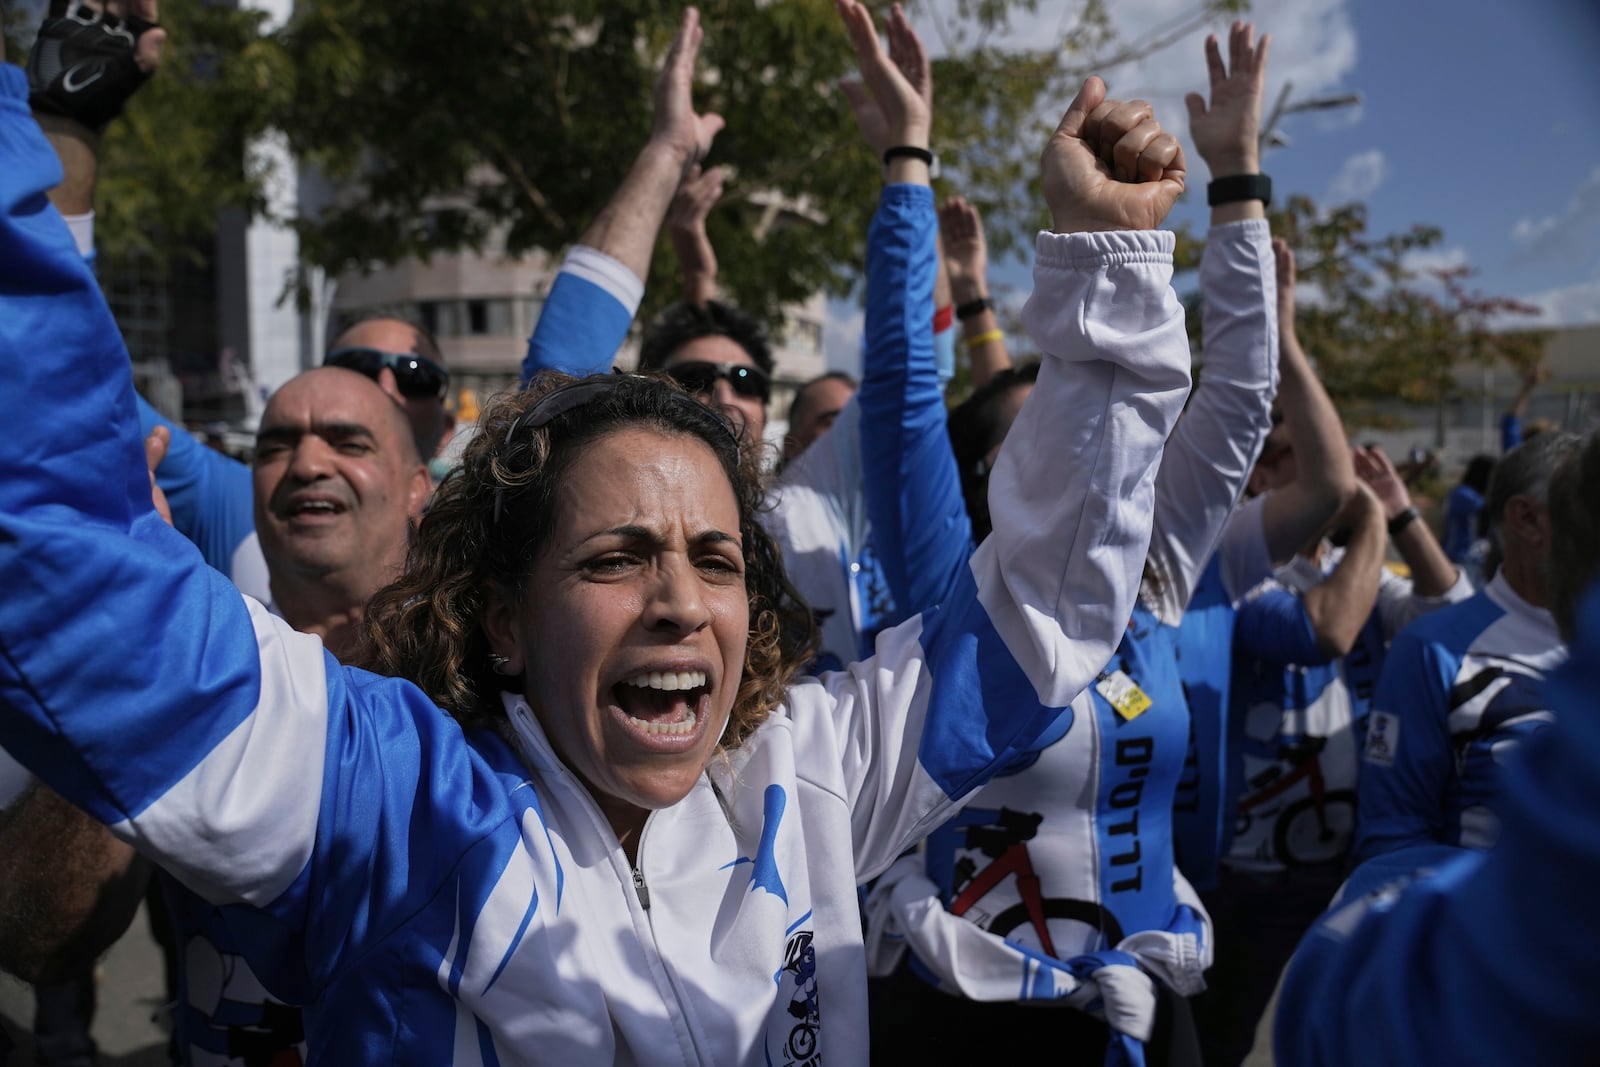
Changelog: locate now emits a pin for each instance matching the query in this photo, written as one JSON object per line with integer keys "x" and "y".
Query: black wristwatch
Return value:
{"x": 1237, "y": 187}
{"x": 913, "y": 152}
{"x": 1404, "y": 519}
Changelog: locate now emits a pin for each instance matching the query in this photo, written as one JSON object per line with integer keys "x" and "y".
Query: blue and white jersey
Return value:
{"x": 1202, "y": 811}
{"x": 1433, "y": 955}
{"x": 436, "y": 897}
{"x": 1460, "y": 691}
{"x": 1302, "y": 716}
{"x": 1058, "y": 882}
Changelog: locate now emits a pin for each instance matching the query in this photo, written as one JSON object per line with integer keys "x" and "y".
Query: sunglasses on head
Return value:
{"x": 417, "y": 376}
{"x": 699, "y": 376}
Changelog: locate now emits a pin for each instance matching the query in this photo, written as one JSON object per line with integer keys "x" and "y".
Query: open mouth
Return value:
{"x": 664, "y": 703}
{"x": 312, "y": 508}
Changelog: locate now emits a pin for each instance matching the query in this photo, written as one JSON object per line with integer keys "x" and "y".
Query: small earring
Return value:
{"x": 498, "y": 663}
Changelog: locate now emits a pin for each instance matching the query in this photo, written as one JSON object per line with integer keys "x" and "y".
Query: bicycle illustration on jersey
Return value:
{"x": 1003, "y": 835}
{"x": 1313, "y": 830}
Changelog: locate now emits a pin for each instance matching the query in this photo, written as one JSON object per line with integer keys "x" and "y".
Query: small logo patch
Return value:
{"x": 1383, "y": 738}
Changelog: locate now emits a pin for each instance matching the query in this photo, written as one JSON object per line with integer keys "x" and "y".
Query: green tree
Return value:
{"x": 1380, "y": 329}
{"x": 443, "y": 122}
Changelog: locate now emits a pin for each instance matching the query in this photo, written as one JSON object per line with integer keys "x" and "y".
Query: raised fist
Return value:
{"x": 1110, "y": 165}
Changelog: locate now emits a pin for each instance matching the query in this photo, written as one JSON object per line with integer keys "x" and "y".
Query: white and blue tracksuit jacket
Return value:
{"x": 436, "y": 897}
{"x": 1435, "y": 956}
{"x": 1096, "y": 791}
{"x": 1460, "y": 690}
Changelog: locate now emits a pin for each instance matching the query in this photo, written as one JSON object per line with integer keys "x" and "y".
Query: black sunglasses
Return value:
{"x": 417, "y": 376}
{"x": 700, "y": 376}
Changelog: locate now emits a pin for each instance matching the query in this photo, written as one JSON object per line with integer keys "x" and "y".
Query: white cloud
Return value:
{"x": 1313, "y": 45}
{"x": 1422, "y": 262}
{"x": 1359, "y": 178}
{"x": 1567, "y": 305}
{"x": 1569, "y": 237}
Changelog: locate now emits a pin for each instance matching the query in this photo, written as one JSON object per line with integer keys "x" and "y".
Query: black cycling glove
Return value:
{"x": 82, "y": 65}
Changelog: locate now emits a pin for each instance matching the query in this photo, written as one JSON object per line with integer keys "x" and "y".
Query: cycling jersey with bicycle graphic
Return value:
{"x": 1303, "y": 716}
{"x": 1462, "y": 689}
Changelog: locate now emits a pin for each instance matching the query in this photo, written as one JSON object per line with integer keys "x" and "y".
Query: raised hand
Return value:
{"x": 155, "y": 450}
{"x": 966, "y": 252}
{"x": 696, "y": 196}
{"x": 893, "y": 100}
{"x": 90, "y": 57}
{"x": 1110, "y": 165}
{"x": 677, "y": 125}
{"x": 1227, "y": 133}
{"x": 1283, "y": 260}
{"x": 1377, "y": 472}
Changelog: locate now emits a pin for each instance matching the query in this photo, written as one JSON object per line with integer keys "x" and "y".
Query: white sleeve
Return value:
{"x": 1204, "y": 468}
{"x": 1074, "y": 486}
{"x": 1399, "y": 605}
{"x": 1242, "y": 550}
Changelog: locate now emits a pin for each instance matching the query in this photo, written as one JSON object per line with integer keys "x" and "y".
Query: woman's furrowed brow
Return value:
{"x": 637, "y": 533}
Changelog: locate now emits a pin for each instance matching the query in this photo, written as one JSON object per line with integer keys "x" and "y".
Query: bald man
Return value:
{"x": 338, "y": 485}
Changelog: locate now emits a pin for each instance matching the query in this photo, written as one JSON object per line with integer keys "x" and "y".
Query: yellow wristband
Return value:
{"x": 984, "y": 338}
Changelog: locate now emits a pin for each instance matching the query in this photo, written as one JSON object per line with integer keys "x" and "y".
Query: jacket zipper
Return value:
{"x": 640, "y": 889}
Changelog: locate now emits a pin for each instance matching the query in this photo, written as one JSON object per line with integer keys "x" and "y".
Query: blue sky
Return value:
{"x": 1481, "y": 117}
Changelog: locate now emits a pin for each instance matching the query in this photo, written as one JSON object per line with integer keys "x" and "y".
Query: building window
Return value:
{"x": 803, "y": 335}
{"x": 501, "y": 318}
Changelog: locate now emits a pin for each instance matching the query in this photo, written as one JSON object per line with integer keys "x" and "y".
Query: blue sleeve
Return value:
{"x": 1480, "y": 958}
{"x": 211, "y": 496}
{"x": 1460, "y": 522}
{"x": 580, "y": 329}
{"x": 919, "y": 523}
{"x": 1407, "y": 761}
{"x": 77, "y": 525}
{"x": 139, "y": 684}
{"x": 1276, "y": 628}
{"x": 1510, "y": 432}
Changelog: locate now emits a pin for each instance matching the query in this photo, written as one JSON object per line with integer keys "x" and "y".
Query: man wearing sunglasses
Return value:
{"x": 405, "y": 361}
{"x": 719, "y": 354}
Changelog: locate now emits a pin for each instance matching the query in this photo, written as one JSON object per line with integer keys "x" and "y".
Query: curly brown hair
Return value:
{"x": 494, "y": 514}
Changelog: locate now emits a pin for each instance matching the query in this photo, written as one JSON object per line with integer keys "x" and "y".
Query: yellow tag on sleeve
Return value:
{"x": 1124, "y": 696}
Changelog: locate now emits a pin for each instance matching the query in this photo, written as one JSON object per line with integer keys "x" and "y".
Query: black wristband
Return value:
{"x": 974, "y": 307}
{"x": 1237, "y": 187}
{"x": 908, "y": 152}
{"x": 1404, "y": 519}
